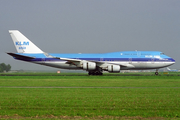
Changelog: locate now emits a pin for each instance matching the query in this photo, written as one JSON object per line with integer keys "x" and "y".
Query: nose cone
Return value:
{"x": 172, "y": 61}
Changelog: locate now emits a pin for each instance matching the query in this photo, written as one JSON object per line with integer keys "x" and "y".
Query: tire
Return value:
{"x": 156, "y": 73}
{"x": 90, "y": 73}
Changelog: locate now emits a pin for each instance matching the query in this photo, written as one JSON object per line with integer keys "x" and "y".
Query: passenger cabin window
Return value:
{"x": 130, "y": 54}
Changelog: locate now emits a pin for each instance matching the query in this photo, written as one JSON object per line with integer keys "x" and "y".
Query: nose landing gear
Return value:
{"x": 156, "y": 73}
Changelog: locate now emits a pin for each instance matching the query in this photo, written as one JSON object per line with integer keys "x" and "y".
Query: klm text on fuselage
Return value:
{"x": 22, "y": 44}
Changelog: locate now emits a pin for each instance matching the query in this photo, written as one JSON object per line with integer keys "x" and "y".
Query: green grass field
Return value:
{"x": 88, "y": 97}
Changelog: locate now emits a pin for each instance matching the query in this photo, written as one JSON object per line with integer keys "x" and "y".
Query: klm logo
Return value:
{"x": 22, "y": 43}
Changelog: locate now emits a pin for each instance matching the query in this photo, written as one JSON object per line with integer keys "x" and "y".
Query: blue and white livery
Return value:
{"x": 95, "y": 64}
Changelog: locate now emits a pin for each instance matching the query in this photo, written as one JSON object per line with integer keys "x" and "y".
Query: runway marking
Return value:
{"x": 81, "y": 87}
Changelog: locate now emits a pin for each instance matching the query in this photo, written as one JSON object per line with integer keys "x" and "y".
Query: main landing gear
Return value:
{"x": 156, "y": 73}
{"x": 95, "y": 73}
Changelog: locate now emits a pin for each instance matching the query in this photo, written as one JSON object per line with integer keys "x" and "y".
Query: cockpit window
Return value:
{"x": 162, "y": 53}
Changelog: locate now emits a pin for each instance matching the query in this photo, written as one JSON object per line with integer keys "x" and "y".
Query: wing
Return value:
{"x": 70, "y": 61}
{"x": 77, "y": 62}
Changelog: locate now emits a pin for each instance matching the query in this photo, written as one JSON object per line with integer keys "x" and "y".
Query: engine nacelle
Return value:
{"x": 89, "y": 65}
{"x": 114, "y": 68}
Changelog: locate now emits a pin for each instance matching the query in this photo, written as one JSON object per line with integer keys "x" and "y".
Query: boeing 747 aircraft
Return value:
{"x": 94, "y": 64}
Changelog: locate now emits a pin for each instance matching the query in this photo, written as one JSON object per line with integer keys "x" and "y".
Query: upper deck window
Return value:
{"x": 162, "y": 54}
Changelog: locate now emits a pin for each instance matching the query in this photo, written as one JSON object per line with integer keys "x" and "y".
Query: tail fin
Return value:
{"x": 23, "y": 44}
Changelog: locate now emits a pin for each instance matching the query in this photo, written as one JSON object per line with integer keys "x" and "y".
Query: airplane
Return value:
{"x": 94, "y": 64}
{"x": 174, "y": 70}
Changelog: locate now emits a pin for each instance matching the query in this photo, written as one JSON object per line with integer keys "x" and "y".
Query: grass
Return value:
{"x": 144, "y": 96}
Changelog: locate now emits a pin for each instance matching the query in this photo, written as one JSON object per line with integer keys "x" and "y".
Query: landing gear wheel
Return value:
{"x": 95, "y": 73}
{"x": 156, "y": 73}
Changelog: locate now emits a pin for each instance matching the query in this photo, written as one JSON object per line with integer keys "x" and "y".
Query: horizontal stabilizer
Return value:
{"x": 20, "y": 56}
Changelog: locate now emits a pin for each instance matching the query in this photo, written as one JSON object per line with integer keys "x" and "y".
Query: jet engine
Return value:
{"x": 114, "y": 68}
{"x": 89, "y": 65}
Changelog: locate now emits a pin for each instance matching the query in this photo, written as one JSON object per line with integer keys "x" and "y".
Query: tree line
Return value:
{"x": 4, "y": 67}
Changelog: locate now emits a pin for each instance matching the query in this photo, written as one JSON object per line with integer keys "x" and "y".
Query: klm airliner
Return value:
{"x": 94, "y": 64}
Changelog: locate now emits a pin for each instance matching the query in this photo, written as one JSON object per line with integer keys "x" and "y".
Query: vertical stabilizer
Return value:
{"x": 23, "y": 44}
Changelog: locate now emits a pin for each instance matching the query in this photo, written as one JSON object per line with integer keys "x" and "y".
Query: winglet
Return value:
{"x": 23, "y": 44}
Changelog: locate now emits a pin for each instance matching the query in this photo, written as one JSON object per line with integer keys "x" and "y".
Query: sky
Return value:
{"x": 91, "y": 26}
